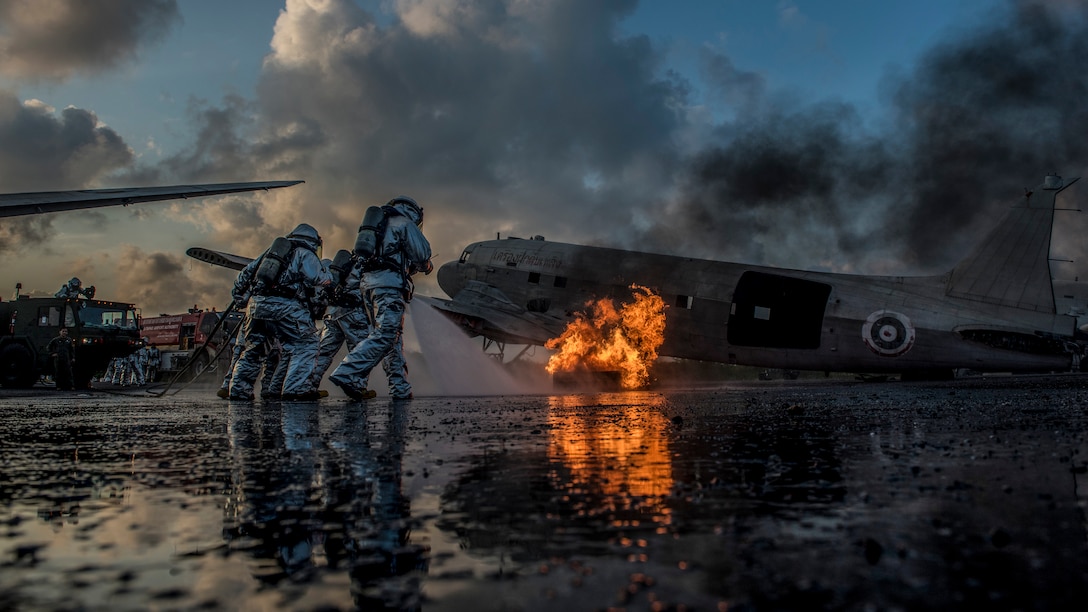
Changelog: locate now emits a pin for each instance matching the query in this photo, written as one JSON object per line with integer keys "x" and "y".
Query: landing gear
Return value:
{"x": 500, "y": 347}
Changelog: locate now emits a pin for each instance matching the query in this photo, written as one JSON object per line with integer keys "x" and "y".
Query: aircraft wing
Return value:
{"x": 482, "y": 310}
{"x": 479, "y": 309}
{"x": 219, "y": 258}
{"x": 18, "y": 204}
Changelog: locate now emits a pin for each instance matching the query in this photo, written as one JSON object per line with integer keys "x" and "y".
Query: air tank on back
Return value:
{"x": 367, "y": 240}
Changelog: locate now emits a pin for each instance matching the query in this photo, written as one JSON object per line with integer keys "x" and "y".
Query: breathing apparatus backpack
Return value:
{"x": 340, "y": 268}
{"x": 273, "y": 263}
{"x": 368, "y": 243}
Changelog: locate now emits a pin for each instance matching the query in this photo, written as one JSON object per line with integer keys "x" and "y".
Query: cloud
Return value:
{"x": 54, "y": 39}
{"x": 985, "y": 113}
{"x": 530, "y": 118}
{"x": 152, "y": 280}
{"x": 43, "y": 151}
{"x": 509, "y": 116}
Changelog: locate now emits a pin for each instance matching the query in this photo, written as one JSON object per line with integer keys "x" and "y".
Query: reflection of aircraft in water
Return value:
{"x": 19, "y": 204}
{"x": 994, "y": 311}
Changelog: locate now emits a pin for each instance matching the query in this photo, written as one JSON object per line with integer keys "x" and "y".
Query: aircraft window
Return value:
{"x": 560, "y": 281}
{"x": 534, "y": 277}
{"x": 684, "y": 301}
{"x": 464, "y": 256}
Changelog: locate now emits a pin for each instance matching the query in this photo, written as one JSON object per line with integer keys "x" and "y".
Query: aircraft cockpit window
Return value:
{"x": 48, "y": 316}
{"x": 464, "y": 255}
{"x": 101, "y": 316}
{"x": 560, "y": 282}
{"x": 684, "y": 301}
{"x": 534, "y": 277}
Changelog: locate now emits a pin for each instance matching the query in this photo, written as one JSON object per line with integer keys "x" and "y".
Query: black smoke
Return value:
{"x": 982, "y": 115}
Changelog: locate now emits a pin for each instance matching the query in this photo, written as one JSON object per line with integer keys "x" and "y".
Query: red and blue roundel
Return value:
{"x": 888, "y": 333}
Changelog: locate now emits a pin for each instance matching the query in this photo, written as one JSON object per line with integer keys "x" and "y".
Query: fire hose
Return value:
{"x": 200, "y": 351}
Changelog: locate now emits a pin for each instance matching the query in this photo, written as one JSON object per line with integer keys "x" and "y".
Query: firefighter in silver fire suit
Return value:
{"x": 74, "y": 289}
{"x": 345, "y": 322}
{"x": 281, "y": 310}
{"x": 387, "y": 287}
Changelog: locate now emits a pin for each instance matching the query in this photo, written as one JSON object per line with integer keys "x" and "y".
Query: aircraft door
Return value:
{"x": 774, "y": 311}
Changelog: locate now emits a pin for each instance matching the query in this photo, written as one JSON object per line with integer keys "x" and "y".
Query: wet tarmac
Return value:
{"x": 763, "y": 496}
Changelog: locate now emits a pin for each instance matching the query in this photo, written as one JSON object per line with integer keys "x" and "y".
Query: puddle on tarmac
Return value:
{"x": 822, "y": 497}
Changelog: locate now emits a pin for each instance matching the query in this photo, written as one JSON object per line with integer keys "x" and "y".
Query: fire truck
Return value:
{"x": 179, "y": 337}
{"x": 100, "y": 330}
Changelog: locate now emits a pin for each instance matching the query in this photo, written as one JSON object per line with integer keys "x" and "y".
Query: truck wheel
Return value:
{"x": 200, "y": 361}
{"x": 17, "y": 367}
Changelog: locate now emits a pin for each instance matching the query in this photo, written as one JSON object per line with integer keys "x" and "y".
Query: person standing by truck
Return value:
{"x": 63, "y": 352}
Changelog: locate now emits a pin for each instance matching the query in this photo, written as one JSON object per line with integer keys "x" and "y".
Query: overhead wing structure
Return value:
{"x": 219, "y": 258}
{"x": 19, "y": 204}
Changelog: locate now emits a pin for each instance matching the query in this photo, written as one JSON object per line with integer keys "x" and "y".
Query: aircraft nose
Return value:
{"x": 449, "y": 279}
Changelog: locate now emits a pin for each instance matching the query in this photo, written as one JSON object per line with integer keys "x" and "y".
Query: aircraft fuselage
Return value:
{"x": 526, "y": 291}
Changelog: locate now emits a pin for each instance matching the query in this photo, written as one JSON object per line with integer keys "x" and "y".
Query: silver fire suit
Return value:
{"x": 345, "y": 322}
{"x": 282, "y": 313}
{"x": 387, "y": 291}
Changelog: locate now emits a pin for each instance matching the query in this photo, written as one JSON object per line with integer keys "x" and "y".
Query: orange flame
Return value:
{"x": 608, "y": 339}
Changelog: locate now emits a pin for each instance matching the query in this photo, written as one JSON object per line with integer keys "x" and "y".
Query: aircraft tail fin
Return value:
{"x": 1011, "y": 267}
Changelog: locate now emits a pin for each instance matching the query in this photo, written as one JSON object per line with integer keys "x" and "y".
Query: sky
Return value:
{"x": 852, "y": 136}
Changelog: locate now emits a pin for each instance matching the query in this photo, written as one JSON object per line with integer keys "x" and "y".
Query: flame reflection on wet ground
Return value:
{"x": 800, "y": 496}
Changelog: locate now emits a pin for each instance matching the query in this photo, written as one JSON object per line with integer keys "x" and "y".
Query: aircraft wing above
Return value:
{"x": 18, "y": 204}
{"x": 219, "y": 258}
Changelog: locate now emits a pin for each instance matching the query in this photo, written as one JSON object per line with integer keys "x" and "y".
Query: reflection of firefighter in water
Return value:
{"x": 321, "y": 494}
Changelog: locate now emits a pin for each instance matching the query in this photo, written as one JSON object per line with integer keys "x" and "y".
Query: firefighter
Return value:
{"x": 346, "y": 321}
{"x": 154, "y": 361}
{"x": 280, "y": 309}
{"x": 63, "y": 352}
{"x": 387, "y": 285}
{"x": 74, "y": 289}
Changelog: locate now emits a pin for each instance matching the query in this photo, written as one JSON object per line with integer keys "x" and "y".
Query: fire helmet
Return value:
{"x": 305, "y": 233}
{"x": 75, "y": 282}
{"x": 408, "y": 207}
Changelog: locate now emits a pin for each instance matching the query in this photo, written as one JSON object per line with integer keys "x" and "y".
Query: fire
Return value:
{"x": 609, "y": 339}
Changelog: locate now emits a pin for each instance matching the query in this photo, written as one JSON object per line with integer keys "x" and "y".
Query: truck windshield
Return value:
{"x": 103, "y": 316}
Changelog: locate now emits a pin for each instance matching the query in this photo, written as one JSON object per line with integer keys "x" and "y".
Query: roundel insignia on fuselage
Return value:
{"x": 888, "y": 333}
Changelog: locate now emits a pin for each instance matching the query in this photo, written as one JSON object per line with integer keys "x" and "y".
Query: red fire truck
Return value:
{"x": 178, "y": 337}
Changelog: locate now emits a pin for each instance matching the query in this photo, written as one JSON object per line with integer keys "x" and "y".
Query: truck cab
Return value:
{"x": 100, "y": 330}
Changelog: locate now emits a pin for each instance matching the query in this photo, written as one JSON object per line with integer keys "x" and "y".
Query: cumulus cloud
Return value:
{"x": 152, "y": 280}
{"x": 54, "y": 39}
{"x": 529, "y": 118}
{"x": 499, "y": 116}
{"x": 42, "y": 150}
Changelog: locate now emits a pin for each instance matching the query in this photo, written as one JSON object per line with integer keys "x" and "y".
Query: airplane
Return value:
{"x": 20, "y": 204}
{"x": 995, "y": 311}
